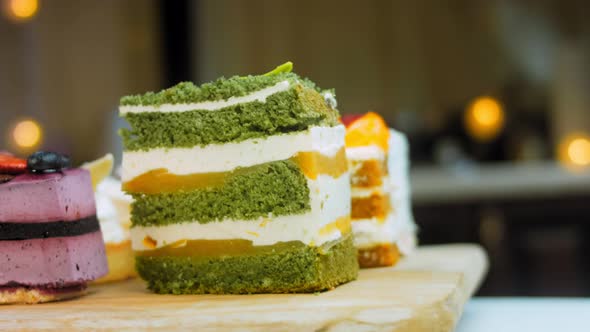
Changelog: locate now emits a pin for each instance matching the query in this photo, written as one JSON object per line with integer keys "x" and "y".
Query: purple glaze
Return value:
{"x": 59, "y": 261}
{"x": 34, "y": 198}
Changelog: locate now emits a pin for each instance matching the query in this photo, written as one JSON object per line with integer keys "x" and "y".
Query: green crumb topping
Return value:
{"x": 277, "y": 188}
{"x": 221, "y": 89}
{"x": 293, "y": 110}
{"x": 300, "y": 269}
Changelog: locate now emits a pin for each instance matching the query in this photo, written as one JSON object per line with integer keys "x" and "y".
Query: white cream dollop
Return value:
{"x": 114, "y": 221}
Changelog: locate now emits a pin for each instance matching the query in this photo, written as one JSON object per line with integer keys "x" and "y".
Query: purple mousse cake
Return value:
{"x": 50, "y": 239}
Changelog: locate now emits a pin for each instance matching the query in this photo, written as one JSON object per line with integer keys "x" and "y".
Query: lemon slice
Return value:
{"x": 99, "y": 169}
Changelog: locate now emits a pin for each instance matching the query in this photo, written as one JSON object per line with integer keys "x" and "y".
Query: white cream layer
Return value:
{"x": 371, "y": 232}
{"x": 368, "y": 152}
{"x": 362, "y": 192}
{"x": 329, "y": 198}
{"x": 226, "y": 157}
{"x": 399, "y": 171}
{"x": 259, "y": 96}
{"x": 111, "y": 220}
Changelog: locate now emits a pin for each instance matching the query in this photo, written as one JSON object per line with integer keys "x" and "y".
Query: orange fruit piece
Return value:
{"x": 369, "y": 129}
{"x": 12, "y": 165}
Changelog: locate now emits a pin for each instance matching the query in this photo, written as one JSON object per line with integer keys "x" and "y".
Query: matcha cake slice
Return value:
{"x": 240, "y": 186}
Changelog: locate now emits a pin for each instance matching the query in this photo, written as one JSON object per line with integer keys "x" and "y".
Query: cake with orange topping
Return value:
{"x": 381, "y": 214}
{"x": 239, "y": 186}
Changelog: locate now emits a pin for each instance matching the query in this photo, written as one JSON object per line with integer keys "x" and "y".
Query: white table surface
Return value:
{"x": 507, "y": 314}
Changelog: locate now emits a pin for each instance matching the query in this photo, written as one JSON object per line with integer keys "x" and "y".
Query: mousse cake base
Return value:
{"x": 22, "y": 294}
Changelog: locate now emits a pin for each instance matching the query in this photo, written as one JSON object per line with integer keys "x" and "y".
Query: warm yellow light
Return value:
{"x": 579, "y": 151}
{"x": 23, "y": 9}
{"x": 484, "y": 118}
{"x": 574, "y": 150}
{"x": 27, "y": 134}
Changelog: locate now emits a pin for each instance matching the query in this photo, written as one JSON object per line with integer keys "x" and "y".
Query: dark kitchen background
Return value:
{"x": 493, "y": 95}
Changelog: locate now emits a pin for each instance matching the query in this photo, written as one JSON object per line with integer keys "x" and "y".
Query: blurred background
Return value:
{"x": 493, "y": 95}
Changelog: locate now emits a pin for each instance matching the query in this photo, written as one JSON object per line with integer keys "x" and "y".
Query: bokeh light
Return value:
{"x": 23, "y": 9}
{"x": 574, "y": 150}
{"x": 484, "y": 118}
{"x": 27, "y": 134}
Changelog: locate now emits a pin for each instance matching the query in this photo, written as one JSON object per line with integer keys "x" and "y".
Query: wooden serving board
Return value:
{"x": 424, "y": 292}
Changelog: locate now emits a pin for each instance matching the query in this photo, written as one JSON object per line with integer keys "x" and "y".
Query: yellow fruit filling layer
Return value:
{"x": 160, "y": 180}
{"x": 368, "y": 173}
{"x": 198, "y": 247}
{"x": 375, "y": 206}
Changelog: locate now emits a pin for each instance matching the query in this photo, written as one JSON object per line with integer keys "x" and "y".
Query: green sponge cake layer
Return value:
{"x": 298, "y": 269}
{"x": 292, "y": 110}
{"x": 275, "y": 188}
